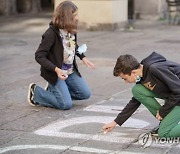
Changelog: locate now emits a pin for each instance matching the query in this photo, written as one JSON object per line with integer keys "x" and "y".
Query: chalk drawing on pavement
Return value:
{"x": 54, "y": 147}
{"x": 55, "y": 129}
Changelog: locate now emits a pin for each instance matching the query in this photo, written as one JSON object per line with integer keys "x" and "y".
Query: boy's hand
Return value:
{"x": 108, "y": 127}
{"x": 158, "y": 116}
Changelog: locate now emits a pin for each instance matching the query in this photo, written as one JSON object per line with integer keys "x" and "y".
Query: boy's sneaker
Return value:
{"x": 154, "y": 132}
{"x": 30, "y": 97}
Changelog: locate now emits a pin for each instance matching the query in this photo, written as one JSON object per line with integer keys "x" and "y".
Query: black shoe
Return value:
{"x": 154, "y": 131}
{"x": 30, "y": 97}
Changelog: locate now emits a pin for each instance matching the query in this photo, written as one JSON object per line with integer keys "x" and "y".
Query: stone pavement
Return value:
{"x": 25, "y": 129}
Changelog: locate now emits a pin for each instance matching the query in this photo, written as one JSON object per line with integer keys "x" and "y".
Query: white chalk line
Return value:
{"x": 56, "y": 129}
{"x": 108, "y": 109}
{"x": 105, "y": 109}
{"x": 54, "y": 147}
{"x": 114, "y": 95}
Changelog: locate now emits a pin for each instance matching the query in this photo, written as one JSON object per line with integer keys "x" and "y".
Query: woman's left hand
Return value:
{"x": 158, "y": 116}
{"x": 88, "y": 63}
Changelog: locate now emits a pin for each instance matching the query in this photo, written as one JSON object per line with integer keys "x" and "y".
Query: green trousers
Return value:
{"x": 170, "y": 125}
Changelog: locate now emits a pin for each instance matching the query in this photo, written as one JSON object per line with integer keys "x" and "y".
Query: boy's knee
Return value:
{"x": 137, "y": 91}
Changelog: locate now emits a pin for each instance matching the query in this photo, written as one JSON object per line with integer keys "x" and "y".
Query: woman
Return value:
{"x": 57, "y": 56}
{"x": 155, "y": 77}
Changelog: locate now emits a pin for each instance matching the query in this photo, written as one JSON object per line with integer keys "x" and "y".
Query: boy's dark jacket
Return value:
{"x": 50, "y": 54}
{"x": 163, "y": 78}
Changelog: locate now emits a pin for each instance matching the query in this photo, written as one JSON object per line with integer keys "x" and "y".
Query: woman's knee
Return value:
{"x": 87, "y": 94}
{"x": 65, "y": 106}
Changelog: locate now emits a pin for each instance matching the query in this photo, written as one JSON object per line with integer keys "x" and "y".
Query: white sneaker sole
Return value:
{"x": 46, "y": 86}
{"x": 29, "y": 94}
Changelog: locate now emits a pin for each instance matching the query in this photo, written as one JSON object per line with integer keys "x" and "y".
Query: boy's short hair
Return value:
{"x": 125, "y": 64}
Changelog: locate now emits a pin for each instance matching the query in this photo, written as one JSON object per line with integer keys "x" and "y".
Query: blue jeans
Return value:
{"x": 61, "y": 95}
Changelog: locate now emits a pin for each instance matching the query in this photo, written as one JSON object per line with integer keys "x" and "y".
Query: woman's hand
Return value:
{"x": 158, "y": 116}
{"x": 88, "y": 63}
{"x": 61, "y": 74}
{"x": 108, "y": 127}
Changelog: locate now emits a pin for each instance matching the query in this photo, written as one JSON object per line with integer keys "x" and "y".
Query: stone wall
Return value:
{"x": 7, "y": 7}
{"x": 150, "y": 8}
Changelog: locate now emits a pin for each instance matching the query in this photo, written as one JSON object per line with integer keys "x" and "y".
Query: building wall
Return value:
{"x": 7, "y": 7}
{"x": 150, "y": 8}
{"x": 10, "y": 7}
{"x": 96, "y": 13}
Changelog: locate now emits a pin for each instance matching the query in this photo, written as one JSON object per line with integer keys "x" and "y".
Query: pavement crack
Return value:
{"x": 31, "y": 113}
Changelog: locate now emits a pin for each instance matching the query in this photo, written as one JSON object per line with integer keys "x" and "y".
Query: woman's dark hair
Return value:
{"x": 125, "y": 64}
{"x": 64, "y": 15}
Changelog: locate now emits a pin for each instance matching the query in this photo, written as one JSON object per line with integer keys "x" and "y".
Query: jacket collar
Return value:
{"x": 55, "y": 29}
{"x": 151, "y": 59}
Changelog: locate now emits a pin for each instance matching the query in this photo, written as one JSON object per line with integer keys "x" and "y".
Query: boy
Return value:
{"x": 155, "y": 77}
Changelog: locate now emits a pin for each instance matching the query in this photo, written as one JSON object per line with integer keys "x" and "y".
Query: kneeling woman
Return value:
{"x": 56, "y": 55}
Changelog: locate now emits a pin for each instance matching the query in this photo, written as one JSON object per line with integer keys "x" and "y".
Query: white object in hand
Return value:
{"x": 82, "y": 49}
